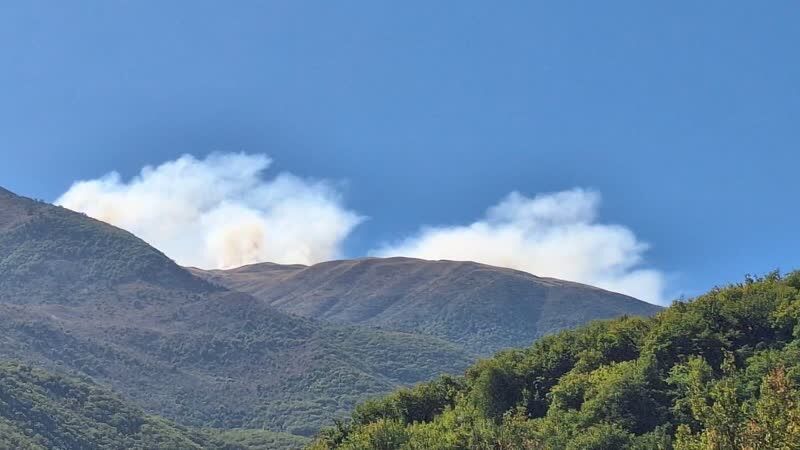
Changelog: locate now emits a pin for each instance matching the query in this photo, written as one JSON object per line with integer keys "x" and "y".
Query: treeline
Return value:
{"x": 720, "y": 372}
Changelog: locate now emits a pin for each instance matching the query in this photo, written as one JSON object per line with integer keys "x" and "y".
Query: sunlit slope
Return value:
{"x": 721, "y": 372}
{"x": 482, "y": 308}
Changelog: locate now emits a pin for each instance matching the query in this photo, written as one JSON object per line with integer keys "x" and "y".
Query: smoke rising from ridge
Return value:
{"x": 219, "y": 212}
{"x": 553, "y": 235}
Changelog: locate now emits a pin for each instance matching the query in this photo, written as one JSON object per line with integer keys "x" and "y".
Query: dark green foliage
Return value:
{"x": 50, "y": 249}
{"x": 721, "y": 372}
{"x": 44, "y": 411}
{"x": 497, "y": 388}
{"x": 259, "y": 439}
{"x": 420, "y": 403}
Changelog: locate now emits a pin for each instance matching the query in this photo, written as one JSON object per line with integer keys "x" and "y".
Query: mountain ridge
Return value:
{"x": 79, "y": 296}
{"x": 485, "y": 308}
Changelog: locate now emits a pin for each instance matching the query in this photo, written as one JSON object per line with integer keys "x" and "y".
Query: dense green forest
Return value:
{"x": 41, "y": 410}
{"x": 720, "y": 372}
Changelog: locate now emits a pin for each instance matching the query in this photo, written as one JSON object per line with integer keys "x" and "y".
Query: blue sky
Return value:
{"x": 683, "y": 116}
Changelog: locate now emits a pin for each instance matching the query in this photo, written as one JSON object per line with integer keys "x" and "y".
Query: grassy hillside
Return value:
{"x": 479, "y": 307}
{"x": 78, "y": 296}
{"x": 721, "y": 372}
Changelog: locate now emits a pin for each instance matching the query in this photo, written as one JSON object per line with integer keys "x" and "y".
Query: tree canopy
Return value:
{"x": 719, "y": 372}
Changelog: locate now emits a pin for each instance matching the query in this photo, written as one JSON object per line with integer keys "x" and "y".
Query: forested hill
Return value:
{"x": 478, "y": 307}
{"x": 44, "y": 248}
{"x": 39, "y": 410}
{"x": 79, "y": 296}
{"x": 721, "y": 372}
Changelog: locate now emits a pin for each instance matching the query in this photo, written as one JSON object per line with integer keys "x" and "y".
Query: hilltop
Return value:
{"x": 481, "y": 308}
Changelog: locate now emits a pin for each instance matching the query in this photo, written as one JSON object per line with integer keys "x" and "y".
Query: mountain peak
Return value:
{"x": 43, "y": 244}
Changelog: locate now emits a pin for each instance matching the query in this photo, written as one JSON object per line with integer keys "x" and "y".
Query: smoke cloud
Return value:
{"x": 554, "y": 235}
{"x": 219, "y": 212}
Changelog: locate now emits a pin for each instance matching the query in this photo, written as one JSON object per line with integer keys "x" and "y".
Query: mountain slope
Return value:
{"x": 39, "y": 410}
{"x": 80, "y": 296}
{"x": 45, "y": 249}
{"x": 721, "y": 372}
{"x": 480, "y": 307}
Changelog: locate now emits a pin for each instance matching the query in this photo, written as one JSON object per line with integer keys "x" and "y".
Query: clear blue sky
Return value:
{"x": 684, "y": 115}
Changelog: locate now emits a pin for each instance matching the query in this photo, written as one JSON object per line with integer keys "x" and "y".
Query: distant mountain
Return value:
{"x": 479, "y": 307}
{"x": 80, "y": 296}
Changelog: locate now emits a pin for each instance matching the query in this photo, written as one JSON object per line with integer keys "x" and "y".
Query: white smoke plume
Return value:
{"x": 553, "y": 235}
{"x": 219, "y": 212}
